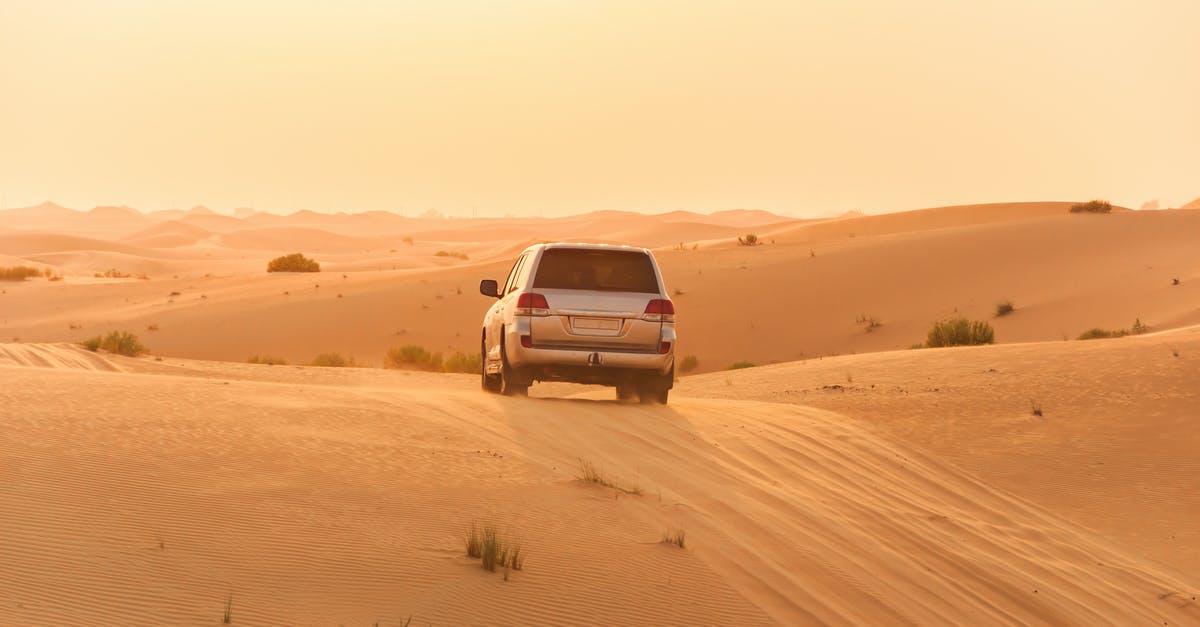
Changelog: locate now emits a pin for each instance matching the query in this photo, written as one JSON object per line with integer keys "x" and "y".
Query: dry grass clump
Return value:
{"x": 1097, "y": 333}
{"x": 113, "y": 273}
{"x": 227, "y": 616}
{"x": 1004, "y": 308}
{"x": 18, "y": 273}
{"x": 871, "y": 321}
{"x": 1092, "y": 206}
{"x": 116, "y": 342}
{"x": 675, "y": 536}
{"x": 590, "y": 474}
{"x": 454, "y": 254}
{"x": 294, "y": 262}
{"x": 749, "y": 240}
{"x": 959, "y": 332}
{"x": 414, "y": 357}
{"x": 738, "y": 365}
{"x": 493, "y": 550}
{"x": 332, "y": 360}
{"x": 688, "y": 364}
{"x": 267, "y": 359}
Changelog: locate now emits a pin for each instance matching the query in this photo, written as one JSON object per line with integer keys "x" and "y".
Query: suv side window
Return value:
{"x": 512, "y": 275}
{"x": 522, "y": 276}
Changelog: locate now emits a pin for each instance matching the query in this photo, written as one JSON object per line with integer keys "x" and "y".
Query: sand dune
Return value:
{"x": 322, "y": 502}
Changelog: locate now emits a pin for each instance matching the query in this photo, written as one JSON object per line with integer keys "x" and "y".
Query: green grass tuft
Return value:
{"x": 959, "y": 332}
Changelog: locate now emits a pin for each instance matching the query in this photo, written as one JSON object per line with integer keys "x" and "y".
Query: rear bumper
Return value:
{"x": 582, "y": 360}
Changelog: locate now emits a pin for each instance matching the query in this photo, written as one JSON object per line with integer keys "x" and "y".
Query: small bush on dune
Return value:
{"x": 331, "y": 360}
{"x": 464, "y": 363}
{"x": 688, "y": 364}
{"x": 1092, "y": 206}
{"x": 959, "y": 332}
{"x": 447, "y": 253}
{"x": 1004, "y": 308}
{"x": 1097, "y": 333}
{"x": 294, "y": 262}
{"x": 116, "y": 342}
{"x": 18, "y": 273}
{"x": 749, "y": 240}
{"x": 414, "y": 357}
{"x": 267, "y": 359}
{"x": 738, "y": 365}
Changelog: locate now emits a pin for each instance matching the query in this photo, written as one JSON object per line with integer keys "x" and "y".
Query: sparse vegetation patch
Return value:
{"x": 1092, "y": 206}
{"x": 1004, "y": 308}
{"x": 749, "y": 240}
{"x": 116, "y": 342}
{"x": 1096, "y": 333}
{"x": 675, "y": 536}
{"x": 18, "y": 273}
{"x": 492, "y": 550}
{"x": 959, "y": 332}
{"x": 688, "y": 364}
{"x": 447, "y": 253}
{"x": 738, "y": 365}
{"x": 294, "y": 262}
{"x": 414, "y": 357}
{"x": 332, "y": 360}
{"x": 590, "y": 474}
{"x": 267, "y": 359}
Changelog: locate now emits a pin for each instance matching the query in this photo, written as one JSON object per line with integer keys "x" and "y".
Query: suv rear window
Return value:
{"x": 600, "y": 270}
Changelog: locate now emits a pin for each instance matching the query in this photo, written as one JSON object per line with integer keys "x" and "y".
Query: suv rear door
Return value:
{"x": 597, "y": 298}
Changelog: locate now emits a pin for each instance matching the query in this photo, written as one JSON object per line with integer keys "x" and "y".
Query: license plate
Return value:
{"x": 598, "y": 324}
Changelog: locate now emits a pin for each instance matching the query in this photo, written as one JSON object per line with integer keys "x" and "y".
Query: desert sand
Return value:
{"x": 846, "y": 480}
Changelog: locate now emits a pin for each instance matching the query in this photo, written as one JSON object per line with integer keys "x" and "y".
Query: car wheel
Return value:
{"x": 654, "y": 389}
{"x": 511, "y": 383}
{"x": 490, "y": 382}
{"x": 626, "y": 391}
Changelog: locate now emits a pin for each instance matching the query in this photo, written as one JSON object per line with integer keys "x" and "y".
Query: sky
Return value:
{"x": 806, "y": 108}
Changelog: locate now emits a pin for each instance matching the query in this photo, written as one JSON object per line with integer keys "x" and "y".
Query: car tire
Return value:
{"x": 627, "y": 391}
{"x": 491, "y": 383}
{"x": 511, "y": 382}
{"x": 654, "y": 389}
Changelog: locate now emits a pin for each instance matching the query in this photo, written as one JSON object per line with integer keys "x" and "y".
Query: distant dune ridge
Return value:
{"x": 849, "y": 479}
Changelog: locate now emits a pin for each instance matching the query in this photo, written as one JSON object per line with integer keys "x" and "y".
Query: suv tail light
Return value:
{"x": 659, "y": 310}
{"x": 531, "y": 304}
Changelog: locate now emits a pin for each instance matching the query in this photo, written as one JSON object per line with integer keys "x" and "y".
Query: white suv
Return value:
{"x": 585, "y": 313}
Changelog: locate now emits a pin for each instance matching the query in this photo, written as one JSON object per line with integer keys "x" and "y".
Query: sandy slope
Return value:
{"x": 338, "y": 496}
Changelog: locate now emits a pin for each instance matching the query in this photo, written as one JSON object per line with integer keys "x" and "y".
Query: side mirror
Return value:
{"x": 488, "y": 287}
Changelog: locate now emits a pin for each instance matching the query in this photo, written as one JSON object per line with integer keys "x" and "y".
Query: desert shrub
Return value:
{"x": 676, "y": 537}
{"x": 447, "y": 253}
{"x": 738, "y": 365}
{"x": 331, "y": 360}
{"x": 493, "y": 550}
{"x": 294, "y": 262}
{"x": 18, "y": 273}
{"x": 117, "y": 342}
{"x": 749, "y": 240}
{"x": 688, "y": 364}
{"x": 1092, "y": 206}
{"x": 465, "y": 363}
{"x": 871, "y": 321}
{"x": 1004, "y": 308}
{"x": 1096, "y": 333}
{"x": 267, "y": 359}
{"x": 412, "y": 356}
{"x": 113, "y": 273}
{"x": 959, "y": 332}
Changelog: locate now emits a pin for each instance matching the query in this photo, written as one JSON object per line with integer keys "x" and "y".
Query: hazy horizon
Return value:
{"x": 541, "y": 108}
